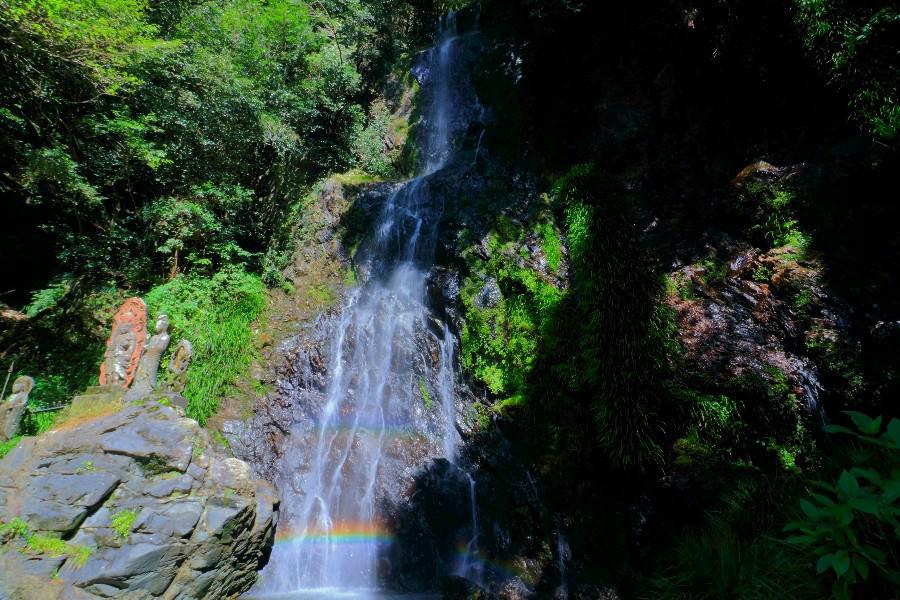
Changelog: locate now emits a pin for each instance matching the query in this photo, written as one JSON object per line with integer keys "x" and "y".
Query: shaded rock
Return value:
{"x": 732, "y": 324}
{"x": 143, "y": 489}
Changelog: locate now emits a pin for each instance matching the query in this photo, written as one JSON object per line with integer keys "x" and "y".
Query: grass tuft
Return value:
{"x": 215, "y": 314}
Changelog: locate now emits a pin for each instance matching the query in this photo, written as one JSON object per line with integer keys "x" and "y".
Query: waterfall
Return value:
{"x": 563, "y": 554}
{"x": 331, "y": 534}
{"x": 478, "y": 147}
{"x": 469, "y": 565}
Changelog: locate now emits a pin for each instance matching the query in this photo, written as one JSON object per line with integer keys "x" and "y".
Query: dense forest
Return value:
{"x": 693, "y": 341}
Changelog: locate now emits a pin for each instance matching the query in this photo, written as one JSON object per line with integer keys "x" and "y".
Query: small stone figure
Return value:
{"x": 178, "y": 366}
{"x": 12, "y": 411}
{"x": 123, "y": 349}
{"x": 148, "y": 367}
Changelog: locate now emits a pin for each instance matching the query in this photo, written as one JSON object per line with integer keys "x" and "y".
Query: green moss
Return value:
{"x": 803, "y": 301}
{"x": 122, "y": 522}
{"x": 220, "y": 439}
{"x": 551, "y": 245}
{"x": 15, "y": 528}
{"x": 321, "y": 294}
{"x": 714, "y": 271}
{"x": 578, "y": 219}
{"x": 500, "y": 343}
{"x": 763, "y": 273}
{"x": 680, "y": 285}
{"x": 45, "y": 544}
{"x": 152, "y": 465}
{"x": 8, "y": 445}
{"x": 426, "y": 396}
{"x": 86, "y": 467}
{"x": 39, "y": 543}
{"x": 356, "y": 177}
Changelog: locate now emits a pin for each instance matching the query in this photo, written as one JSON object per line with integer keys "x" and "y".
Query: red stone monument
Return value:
{"x": 125, "y": 344}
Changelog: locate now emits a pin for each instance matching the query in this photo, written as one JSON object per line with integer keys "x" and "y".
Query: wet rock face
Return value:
{"x": 155, "y": 512}
{"x": 756, "y": 317}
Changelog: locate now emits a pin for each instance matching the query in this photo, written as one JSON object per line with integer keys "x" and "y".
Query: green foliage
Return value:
{"x": 38, "y": 423}
{"x": 855, "y": 44}
{"x": 851, "y": 525}
{"x": 8, "y": 445}
{"x": 368, "y": 144}
{"x": 551, "y": 244}
{"x": 714, "y": 271}
{"x": 500, "y": 342}
{"x": 763, "y": 273}
{"x": 38, "y": 543}
{"x": 215, "y": 314}
{"x": 426, "y": 395}
{"x": 204, "y": 227}
{"x": 122, "y": 522}
{"x": 616, "y": 335}
{"x": 220, "y": 439}
{"x": 15, "y": 528}
{"x": 151, "y": 138}
{"x": 47, "y": 298}
{"x": 717, "y": 564}
{"x": 774, "y": 218}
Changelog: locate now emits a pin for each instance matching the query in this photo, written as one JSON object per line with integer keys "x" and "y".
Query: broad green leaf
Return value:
{"x": 892, "y": 490}
{"x": 864, "y": 423}
{"x": 872, "y": 553}
{"x": 843, "y": 515}
{"x": 809, "y": 509}
{"x": 869, "y": 474}
{"x": 840, "y": 562}
{"x": 848, "y": 484}
{"x": 823, "y": 500}
{"x": 866, "y": 505}
{"x": 823, "y": 563}
{"x": 861, "y": 565}
{"x": 893, "y": 432}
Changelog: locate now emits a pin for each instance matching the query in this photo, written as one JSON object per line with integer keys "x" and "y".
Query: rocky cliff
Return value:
{"x": 138, "y": 504}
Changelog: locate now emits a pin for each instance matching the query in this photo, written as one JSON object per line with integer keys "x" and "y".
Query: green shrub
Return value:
{"x": 215, "y": 314}
{"x": 500, "y": 343}
{"x": 855, "y": 45}
{"x": 122, "y": 522}
{"x": 39, "y": 543}
{"x": 715, "y": 563}
{"x": 851, "y": 525}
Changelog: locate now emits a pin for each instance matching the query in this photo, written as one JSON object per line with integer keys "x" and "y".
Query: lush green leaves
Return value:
{"x": 214, "y": 314}
{"x": 856, "y": 45}
{"x": 853, "y": 526}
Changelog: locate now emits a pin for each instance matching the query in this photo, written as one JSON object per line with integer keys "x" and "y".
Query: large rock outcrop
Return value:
{"x": 134, "y": 504}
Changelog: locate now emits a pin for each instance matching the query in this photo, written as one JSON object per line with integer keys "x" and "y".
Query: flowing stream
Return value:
{"x": 332, "y": 535}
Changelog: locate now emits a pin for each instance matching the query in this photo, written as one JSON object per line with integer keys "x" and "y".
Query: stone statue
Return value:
{"x": 125, "y": 344}
{"x": 12, "y": 411}
{"x": 145, "y": 377}
{"x": 178, "y": 366}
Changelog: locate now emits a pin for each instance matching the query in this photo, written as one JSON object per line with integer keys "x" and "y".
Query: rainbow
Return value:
{"x": 343, "y": 532}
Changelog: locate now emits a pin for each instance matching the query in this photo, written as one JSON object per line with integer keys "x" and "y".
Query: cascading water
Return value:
{"x": 331, "y": 532}
{"x": 563, "y": 555}
{"x": 469, "y": 565}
